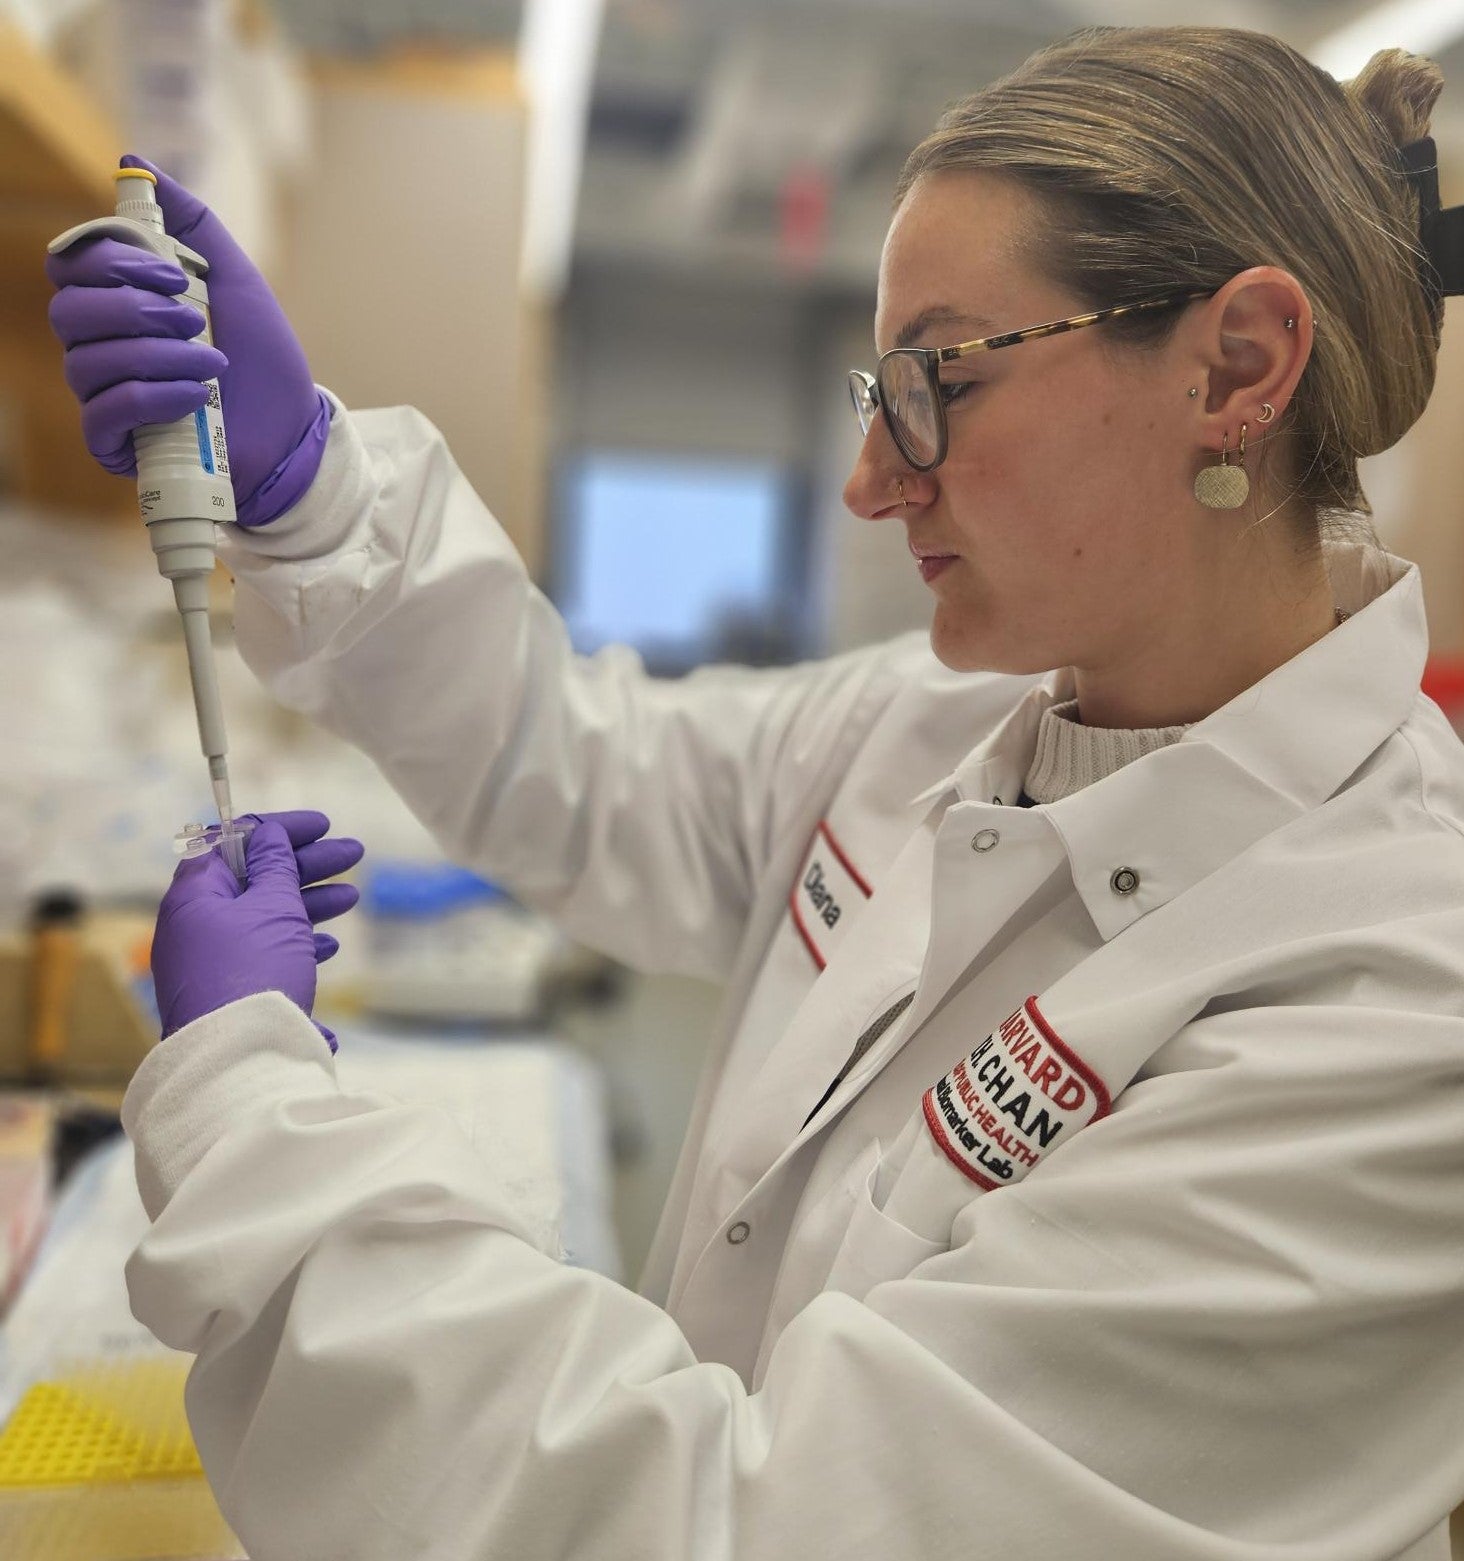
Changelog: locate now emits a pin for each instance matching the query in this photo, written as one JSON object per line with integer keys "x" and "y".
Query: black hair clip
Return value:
{"x": 1440, "y": 233}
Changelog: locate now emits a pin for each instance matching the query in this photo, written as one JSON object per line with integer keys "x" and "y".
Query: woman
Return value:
{"x": 1078, "y": 1167}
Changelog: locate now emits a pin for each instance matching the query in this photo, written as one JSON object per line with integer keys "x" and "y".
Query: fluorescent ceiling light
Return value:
{"x": 558, "y": 40}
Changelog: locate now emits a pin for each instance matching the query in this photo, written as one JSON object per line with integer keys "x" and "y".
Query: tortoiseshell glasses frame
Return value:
{"x": 906, "y": 382}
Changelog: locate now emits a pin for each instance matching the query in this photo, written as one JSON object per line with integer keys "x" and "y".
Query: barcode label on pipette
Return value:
{"x": 213, "y": 451}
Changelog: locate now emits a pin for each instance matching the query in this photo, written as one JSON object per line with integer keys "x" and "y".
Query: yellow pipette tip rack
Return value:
{"x": 100, "y": 1465}
{"x": 125, "y": 1423}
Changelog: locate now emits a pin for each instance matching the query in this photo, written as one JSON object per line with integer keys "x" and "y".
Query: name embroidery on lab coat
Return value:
{"x": 829, "y": 886}
{"x": 1020, "y": 1093}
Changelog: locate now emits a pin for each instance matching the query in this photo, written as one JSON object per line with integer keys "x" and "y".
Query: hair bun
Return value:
{"x": 1399, "y": 90}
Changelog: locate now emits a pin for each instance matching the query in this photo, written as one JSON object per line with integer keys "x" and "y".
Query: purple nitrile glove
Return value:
{"x": 131, "y": 360}
{"x": 216, "y": 943}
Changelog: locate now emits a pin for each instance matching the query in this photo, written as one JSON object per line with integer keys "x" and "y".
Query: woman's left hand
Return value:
{"x": 216, "y": 942}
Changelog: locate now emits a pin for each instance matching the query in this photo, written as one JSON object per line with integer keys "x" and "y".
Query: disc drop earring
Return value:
{"x": 1224, "y": 486}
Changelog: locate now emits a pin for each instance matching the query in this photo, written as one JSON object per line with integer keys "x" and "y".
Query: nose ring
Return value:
{"x": 900, "y": 489}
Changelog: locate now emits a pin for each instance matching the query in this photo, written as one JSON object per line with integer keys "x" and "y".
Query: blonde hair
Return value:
{"x": 1170, "y": 157}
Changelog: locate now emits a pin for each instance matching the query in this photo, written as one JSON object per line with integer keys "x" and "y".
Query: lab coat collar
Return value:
{"x": 1277, "y": 750}
{"x": 996, "y": 768}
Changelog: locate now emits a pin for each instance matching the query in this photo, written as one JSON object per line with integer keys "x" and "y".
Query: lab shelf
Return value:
{"x": 57, "y": 150}
{"x": 56, "y": 146}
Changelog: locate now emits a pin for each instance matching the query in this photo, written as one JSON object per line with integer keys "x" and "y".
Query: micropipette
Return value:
{"x": 183, "y": 486}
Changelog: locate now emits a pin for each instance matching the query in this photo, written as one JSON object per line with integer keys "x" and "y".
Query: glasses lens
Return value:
{"x": 861, "y": 392}
{"x": 904, "y": 392}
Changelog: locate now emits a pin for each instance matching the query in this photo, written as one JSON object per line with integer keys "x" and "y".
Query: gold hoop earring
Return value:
{"x": 1224, "y": 486}
{"x": 1266, "y": 413}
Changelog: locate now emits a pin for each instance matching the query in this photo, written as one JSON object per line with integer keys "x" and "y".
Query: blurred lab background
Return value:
{"x": 623, "y": 253}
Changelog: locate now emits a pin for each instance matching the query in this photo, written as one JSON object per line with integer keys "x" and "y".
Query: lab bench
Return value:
{"x": 95, "y": 1460}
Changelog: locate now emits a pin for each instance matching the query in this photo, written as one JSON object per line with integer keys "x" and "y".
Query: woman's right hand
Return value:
{"x": 131, "y": 359}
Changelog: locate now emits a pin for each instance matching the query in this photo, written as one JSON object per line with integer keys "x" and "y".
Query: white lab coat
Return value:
{"x": 1187, "y": 1286}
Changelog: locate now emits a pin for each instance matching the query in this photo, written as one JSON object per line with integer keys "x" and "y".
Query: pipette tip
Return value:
{"x": 231, "y": 838}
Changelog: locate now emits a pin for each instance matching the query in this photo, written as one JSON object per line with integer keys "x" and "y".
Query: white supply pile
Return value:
{"x": 444, "y": 945}
{"x": 220, "y": 103}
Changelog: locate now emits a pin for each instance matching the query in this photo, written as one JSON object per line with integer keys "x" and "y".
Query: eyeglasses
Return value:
{"x": 906, "y": 382}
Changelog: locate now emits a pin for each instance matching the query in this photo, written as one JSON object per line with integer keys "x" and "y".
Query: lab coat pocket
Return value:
{"x": 874, "y": 1247}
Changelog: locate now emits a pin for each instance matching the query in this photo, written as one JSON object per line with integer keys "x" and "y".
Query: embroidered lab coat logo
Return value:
{"x": 1019, "y": 1094}
{"x": 828, "y": 889}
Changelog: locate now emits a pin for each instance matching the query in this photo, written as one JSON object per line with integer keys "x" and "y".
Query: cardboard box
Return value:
{"x": 107, "y": 1030}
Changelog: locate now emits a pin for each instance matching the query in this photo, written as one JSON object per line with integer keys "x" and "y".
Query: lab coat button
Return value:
{"x": 739, "y": 1233}
{"x": 1124, "y": 881}
{"x": 985, "y": 841}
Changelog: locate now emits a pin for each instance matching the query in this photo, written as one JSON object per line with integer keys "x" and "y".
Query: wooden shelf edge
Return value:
{"x": 58, "y": 144}
{"x": 438, "y": 72}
